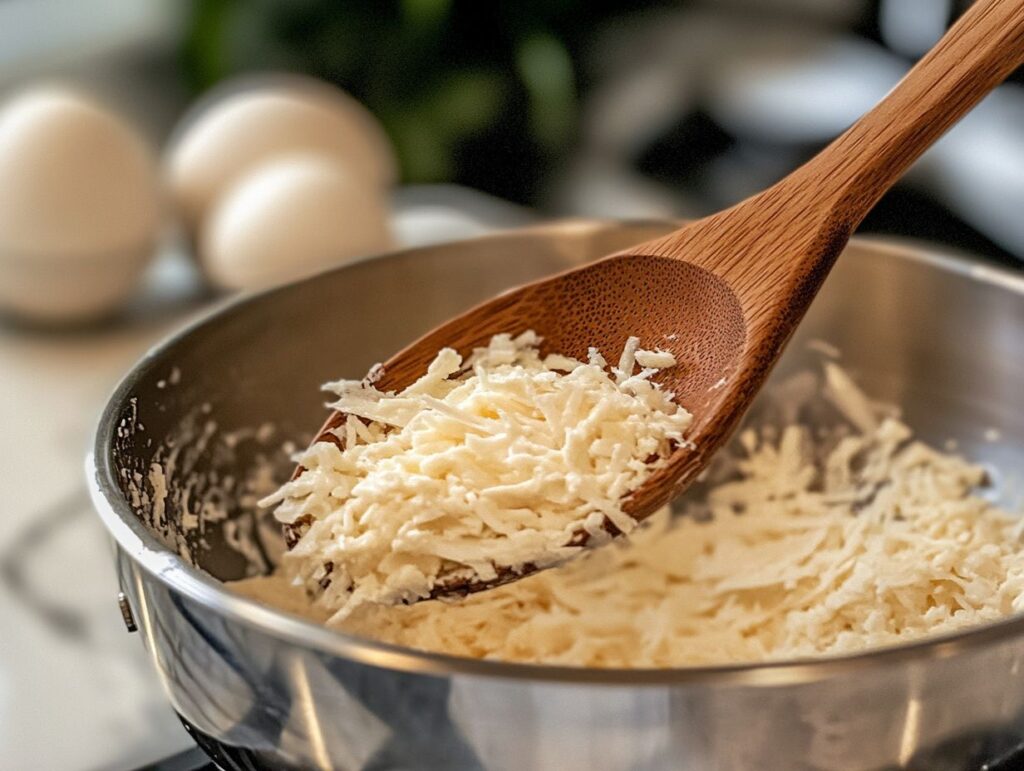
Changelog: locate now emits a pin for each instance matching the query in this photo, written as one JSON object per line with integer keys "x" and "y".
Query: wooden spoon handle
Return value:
{"x": 976, "y": 54}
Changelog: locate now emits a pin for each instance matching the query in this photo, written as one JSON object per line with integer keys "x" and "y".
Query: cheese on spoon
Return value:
{"x": 480, "y": 466}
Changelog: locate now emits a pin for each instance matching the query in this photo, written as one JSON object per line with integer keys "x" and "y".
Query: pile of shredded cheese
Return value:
{"x": 477, "y": 467}
{"x": 815, "y": 544}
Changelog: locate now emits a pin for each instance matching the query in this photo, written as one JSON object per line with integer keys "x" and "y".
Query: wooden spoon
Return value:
{"x": 725, "y": 293}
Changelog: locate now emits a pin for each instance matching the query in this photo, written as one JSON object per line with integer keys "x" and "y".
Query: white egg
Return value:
{"x": 79, "y": 206}
{"x": 290, "y": 217}
{"x": 243, "y": 124}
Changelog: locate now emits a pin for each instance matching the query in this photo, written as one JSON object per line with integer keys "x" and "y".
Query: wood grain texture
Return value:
{"x": 725, "y": 293}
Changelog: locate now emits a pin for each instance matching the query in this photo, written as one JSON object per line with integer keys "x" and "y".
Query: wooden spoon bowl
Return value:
{"x": 602, "y": 304}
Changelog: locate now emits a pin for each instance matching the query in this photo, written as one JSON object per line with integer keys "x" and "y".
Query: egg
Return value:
{"x": 290, "y": 217}
{"x": 79, "y": 206}
{"x": 243, "y": 124}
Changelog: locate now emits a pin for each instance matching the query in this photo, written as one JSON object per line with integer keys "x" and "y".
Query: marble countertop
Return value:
{"x": 76, "y": 690}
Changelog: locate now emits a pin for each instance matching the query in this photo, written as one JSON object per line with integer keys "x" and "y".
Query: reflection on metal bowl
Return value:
{"x": 938, "y": 335}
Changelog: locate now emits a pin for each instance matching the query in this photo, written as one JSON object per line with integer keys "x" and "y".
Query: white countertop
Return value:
{"x": 76, "y": 691}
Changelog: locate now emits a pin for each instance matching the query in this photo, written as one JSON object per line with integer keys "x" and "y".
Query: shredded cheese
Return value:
{"x": 476, "y": 468}
{"x": 810, "y": 543}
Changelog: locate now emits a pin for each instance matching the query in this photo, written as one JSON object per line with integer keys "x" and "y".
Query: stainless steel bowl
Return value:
{"x": 937, "y": 334}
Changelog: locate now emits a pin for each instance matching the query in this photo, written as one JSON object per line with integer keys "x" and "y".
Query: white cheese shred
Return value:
{"x": 477, "y": 467}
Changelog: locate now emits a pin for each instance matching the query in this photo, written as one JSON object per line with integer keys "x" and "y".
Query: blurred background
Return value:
{"x": 157, "y": 155}
{"x": 571, "y": 107}
{"x": 633, "y": 109}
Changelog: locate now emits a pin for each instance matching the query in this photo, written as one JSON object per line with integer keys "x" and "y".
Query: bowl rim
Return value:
{"x": 169, "y": 569}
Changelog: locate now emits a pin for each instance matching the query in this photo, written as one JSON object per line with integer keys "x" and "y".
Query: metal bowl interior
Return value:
{"x": 938, "y": 335}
